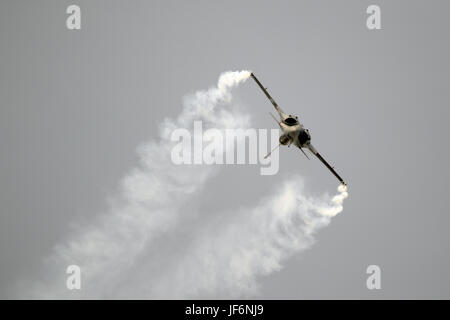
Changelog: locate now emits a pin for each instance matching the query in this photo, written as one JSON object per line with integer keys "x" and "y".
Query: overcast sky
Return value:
{"x": 75, "y": 105}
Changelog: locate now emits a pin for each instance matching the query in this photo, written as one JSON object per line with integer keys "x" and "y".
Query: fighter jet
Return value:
{"x": 293, "y": 132}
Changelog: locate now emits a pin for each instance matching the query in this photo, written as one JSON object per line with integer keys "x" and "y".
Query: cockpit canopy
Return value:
{"x": 290, "y": 121}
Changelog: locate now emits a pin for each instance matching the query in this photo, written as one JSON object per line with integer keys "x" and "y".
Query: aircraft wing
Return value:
{"x": 267, "y": 94}
{"x": 317, "y": 154}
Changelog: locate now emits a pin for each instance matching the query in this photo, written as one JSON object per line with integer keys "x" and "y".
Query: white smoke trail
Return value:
{"x": 231, "y": 252}
{"x": 150, "y": 200}
{"x": 133, "y": 251}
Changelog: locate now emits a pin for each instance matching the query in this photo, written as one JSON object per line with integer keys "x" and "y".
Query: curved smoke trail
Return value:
{"x": 229, "y": 254}
{"x": 127, "y": 252}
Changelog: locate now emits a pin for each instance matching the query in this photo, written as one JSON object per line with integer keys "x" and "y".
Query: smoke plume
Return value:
{"x": 133, "y": 250}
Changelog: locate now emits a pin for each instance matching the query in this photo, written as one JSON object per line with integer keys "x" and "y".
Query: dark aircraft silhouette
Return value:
{"x": 294, "y": 132}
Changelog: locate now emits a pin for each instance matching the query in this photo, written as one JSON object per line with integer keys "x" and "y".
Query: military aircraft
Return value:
{"x": 293, "y": 132}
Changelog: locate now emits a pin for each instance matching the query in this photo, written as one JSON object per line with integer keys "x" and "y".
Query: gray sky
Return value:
{"x": 76, "y": 104}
